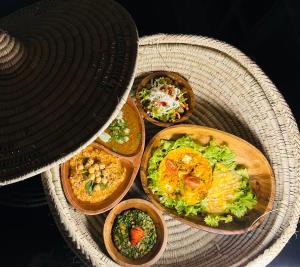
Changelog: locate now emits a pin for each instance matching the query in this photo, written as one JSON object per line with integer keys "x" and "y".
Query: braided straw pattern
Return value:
{"x": 66, "y": 69}
{"x": 233, "y": 95}
{"x": 11, "y": 53}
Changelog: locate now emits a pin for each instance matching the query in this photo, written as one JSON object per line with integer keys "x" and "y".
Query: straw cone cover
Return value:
{"x": 66, "y": 68}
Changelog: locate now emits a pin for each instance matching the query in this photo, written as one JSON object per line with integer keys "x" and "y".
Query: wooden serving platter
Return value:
{"x": 261, "y": 176}
{"x": 131, "y": 162}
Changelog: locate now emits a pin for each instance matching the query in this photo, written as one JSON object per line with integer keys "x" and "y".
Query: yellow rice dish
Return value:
{"x": 196, "y": 179}
{"x": 187, "y": 171}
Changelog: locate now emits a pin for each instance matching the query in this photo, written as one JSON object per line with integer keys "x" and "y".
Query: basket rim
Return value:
{"x": 266, "y": 256}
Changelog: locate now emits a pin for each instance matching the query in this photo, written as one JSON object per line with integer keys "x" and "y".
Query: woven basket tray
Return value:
{"x": 233, "y": 95}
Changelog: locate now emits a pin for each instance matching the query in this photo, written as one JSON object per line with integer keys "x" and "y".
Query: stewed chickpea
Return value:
{"x": 90, "y": 161}
{"x": 97, "y": 188}
{"x": 91, "y": 170}
{"x": 96, "y": 167}
{"x": 87, "y": 170}
{"x": 102, "y": 166}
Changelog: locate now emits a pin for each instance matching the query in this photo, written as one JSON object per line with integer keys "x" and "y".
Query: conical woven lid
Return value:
{"x": 66, "y": 68}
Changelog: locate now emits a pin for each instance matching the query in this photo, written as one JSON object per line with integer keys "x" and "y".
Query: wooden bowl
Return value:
{"x": 131, "y": 163}
{"x": 261, "y": 177}
{"x": 161, "y": 231}
{"x": 174, "y": 76}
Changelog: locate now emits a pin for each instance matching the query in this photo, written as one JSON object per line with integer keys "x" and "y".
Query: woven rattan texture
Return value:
{"x": 234, "y": 95}
{"x": 66, "y": 68}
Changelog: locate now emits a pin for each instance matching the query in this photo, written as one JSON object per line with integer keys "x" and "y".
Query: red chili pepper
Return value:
{"x": 136, "y": 234}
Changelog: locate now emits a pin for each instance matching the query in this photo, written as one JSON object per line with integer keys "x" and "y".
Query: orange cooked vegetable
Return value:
{"x": 191, "y": 181}
{"x": 171, "y": 167}
{"x": 136, "y": 234}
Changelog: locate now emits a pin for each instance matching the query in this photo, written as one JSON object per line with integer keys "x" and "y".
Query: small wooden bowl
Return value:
{"x": 261, "y": 177}
{"x": 130, "y": 162}
{"x": 176, "y": 77}
{"x": 161, "y": 231}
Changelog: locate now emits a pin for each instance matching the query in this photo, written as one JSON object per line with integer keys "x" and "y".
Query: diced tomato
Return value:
{"x": 191, "y": 181}
{"x": 163, "y": 103}
{"x": 136, "y": 234}
{"x": 171, "y": 167}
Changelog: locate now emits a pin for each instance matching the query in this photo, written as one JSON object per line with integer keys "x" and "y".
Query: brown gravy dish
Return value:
{"x": 124, "y": 134}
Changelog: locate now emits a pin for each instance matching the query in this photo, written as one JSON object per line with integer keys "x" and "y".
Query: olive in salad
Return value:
{"x": 134, "y": 233}
{"x": 164, "y": 99}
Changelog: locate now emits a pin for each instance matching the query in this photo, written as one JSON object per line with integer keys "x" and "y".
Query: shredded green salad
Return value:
{"x": 164, "y": 100}
{"x": 220, "y": 158}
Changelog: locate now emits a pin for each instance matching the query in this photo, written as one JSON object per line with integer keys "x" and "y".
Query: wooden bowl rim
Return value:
{"x": 129, "y": 204}
{"x": 174, "y": 76}
{"x": 134, "y": 160}
{"x": 209, "y": 229}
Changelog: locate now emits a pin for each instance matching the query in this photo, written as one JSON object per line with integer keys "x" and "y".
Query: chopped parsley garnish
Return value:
{"x": 119, "y": 130}
{"x": 134, "y": 233}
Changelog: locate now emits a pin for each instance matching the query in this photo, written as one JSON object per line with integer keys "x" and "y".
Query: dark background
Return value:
{"x": 267, "y": 31}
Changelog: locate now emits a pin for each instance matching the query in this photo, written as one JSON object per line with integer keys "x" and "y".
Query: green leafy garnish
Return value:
{"x": 213, "y": 220}
{"x": 144, "y": 93}
{"x": 219, "y": 153}
{"x": 89, "y": 187}
{"x": 119, "y": 130}
{"x": 244, "y": 199}
{"x": 138, "y": 135}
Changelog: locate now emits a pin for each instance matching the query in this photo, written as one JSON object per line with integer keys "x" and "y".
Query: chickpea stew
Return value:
{"x": 95, "y": 174}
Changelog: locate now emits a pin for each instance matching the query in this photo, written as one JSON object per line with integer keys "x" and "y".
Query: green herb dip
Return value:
{"x": 124, "y": 223}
